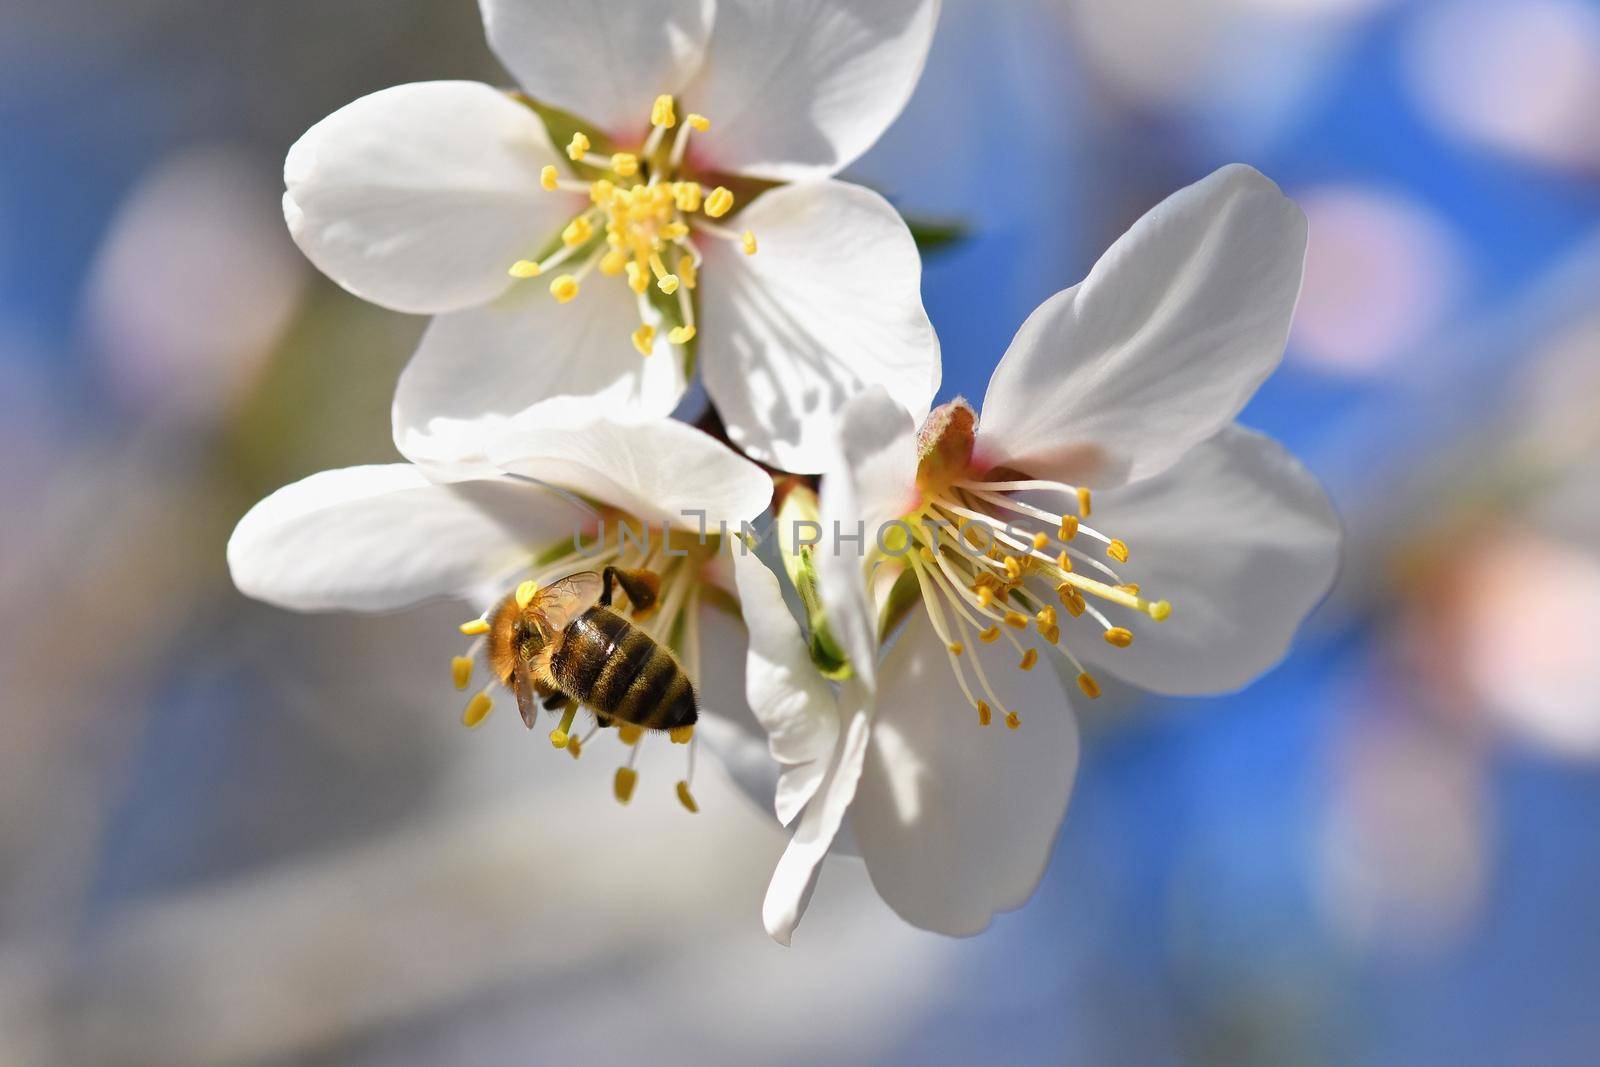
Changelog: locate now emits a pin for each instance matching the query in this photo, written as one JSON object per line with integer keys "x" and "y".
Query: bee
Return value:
{"x": 553, "y": 647}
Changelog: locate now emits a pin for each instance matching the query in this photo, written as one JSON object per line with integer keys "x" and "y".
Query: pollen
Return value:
{"x": 564, "y": 288}
{"x": 990, "y": 635}
{"x": 1029, "y": 658}
{"x": 1046, "y": 617}
{"x": 1118, "y": 550}
{"x": 662, "y": 113}
{"x": 1013, "y": 720}
{"x": 1083, "y": 503}
{"x": 747, "y": 241}
{"x": 983, "y": 714}
{"x": 560, "y": 738}
{"x": 688, "y": 271}
{"x": 681, "y": 335}
{"x": 686, "y": 798}
{"x": 1069, "y": 527}
{"x": 1064, "y": 561}
{"x": 1016, "y": 620}
{"x": 719, "y": 203}
{"x": 1119, "y": 637}
{"x": 613, "y": 262}
{"x": 629, "y": 734}
{"x": 985, "y": 596}
{"x": 577, "y": 232}
{"x": 1090, "y": 687}
{"x": 956, "y": 648}
{"x": 681, "y": 735}
{"x": 549, "y": 177}
{"x": 687, "y": 196}
{"x": 1040, "y": 539}
{"x": 622, "y": 785}
{"x": 698, "y": 123}
{"x": 1013, "y": 568}
{"x": 475, "y": 627}
{"x": 461, "y": 671}
{"x": 578, "y": 147}
{"x": 575, "y": 746}
{"x": 1159, "y": 610}
{"x": 625, "y": 164}
{"x": 525, "y": 594}
{"x": 477, "y": 710}
{"x": 644, "y": 339}
{"x": 524, "y": 268}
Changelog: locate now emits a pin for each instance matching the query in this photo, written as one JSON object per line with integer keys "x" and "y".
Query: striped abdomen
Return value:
{"x": 617, "y": 669}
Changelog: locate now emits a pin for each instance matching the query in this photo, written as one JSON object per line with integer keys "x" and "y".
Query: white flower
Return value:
{"x": 1187, "y": 571}
{"x": 445, "y": 198}
{"x": 550, "y": 504}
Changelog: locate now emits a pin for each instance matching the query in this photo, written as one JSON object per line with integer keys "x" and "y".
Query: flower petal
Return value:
{"x": 830, "y": 305}
{"x": 956, "y": 820}
{"x": 384, "y": 537}
{"x": 872, "y": 480}
{"x": 421, "y": 196}
{"x": 726, "y": 726}
{"x": 659, "y": 471}
{"x": 800, "y": 89}
{"x": 1160, "y": 346}
{"x": 790, "y": 699}
{"x": 1242, "y": 540}
{"x": 603, "y": 60}
{"x": 796, "y": 873}
{"x": 526, "y": 352}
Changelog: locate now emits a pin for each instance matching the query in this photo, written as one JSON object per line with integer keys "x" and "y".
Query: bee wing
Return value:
{"x": 560, "y": 602}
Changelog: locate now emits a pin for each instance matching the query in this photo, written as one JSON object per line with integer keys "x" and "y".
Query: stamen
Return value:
{"x": 561, "y": 735}
{"x": 477, "y": 709}
{"x": 1069, "y": 528}
{"x": 1083, "y": 502}
{"x": 475, "y": 627}
{"x": 1029, "y": 658}
{"x": 1013, "y": 720}
{"x": 681, "y": 335}
{"x": 699, "y": 123}
{"x": 579, "y": 230}
{"x": 526, "y": 591}
{"x": 525, "y": 268}
{"x": 461, "y": 670}
{"x": 1118, "y": 550}
{"x": 550, "y": 178}
{"x": 662, "y": 113}
{"x": 629, "y": 734}
{"x": 625, "y": 164}
{"x": 681, "y": 735}
{"x": 1090, "y": 687}
{"x": 1119, "y": 636}
{"x": 687, "y": 195}
{"x": 990, "y": 635}
{"x": 564, "y": 288}
{"x": 983, "y": 714}
{"x": 719, "y": 203}
{"x": 578, "y": 147}
{"x": 686, "y": 798}
{"x": 622, "y": 785}
{"x": 644, "y": 339}
{"x": 747, "y": 241}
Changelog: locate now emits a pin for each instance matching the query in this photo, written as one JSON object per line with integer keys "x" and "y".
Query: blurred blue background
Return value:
{"x": 230, "y": 835}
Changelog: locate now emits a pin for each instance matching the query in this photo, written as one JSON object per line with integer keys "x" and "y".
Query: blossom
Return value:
{"x": 1105, "y": 512}
{"x": 652, "y": 497}
{"x": 585, "y": 274}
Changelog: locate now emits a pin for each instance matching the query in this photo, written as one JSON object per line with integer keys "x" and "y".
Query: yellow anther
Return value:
{"x": 1131, "y": 588}
{"x": 1064, "y": 561}
{"x": 985, "y": 596}
{"x": 1051, "y": 633}
{"x": 644, "y": 339}
{"x": 956, "y": 648}
{"x": 983, "y": 714}
{"x": 1013, "y": 568}
{"x": 525, "y": 594}
{"x": 687, "y": 195}
{"x": 622, "y": 786}
{"x": 989, "y": 636}
{"x": 1069, "y": 527}
{"x": 1083, "y": 503}
{"x": 575, "y": 746}
{"x": 686, "y": 798}
{"x": 674, "y": 231}
{"x": 720, "y": 202}
{"x": 524, "y": 268}
{"x": 1071, "y": 599}
{"x": 612, "y": 262}
{"x": 697, "y": 122}
{"x": 1013, "y": 720}
{"x": 681, "y": 735}
{"x": 549, "y": 177}
{"x": 578, "y": 231}
{"x": 629, "y": 734}
{"x": 681, "y": 335}
{"x": 1119, "y": 637}
{"x": 461, "y": 671}
{"x": 1029, "y": 658}
{"x": 1045, "y": 617}
{"x": 626, "y": 164}
{"x": 1159, "y": 610}
{"x": 1118, "y": 550}
{"x": 477, "y": 710}
{"x": 1090, "y": 687}
{"x": 475, "y": 627}
{"x": 1040, "y": 539}
{"x": 601, "y": 190}
{"x": 564, "y": 288}
{"x": 747, "y": 241}
{"x": 1016, "y": 620}
{"x": 638, "y": 278}
{"x": 578, "y": 147}
{"x": 662, "y": 114}
{"x": 688, "y": 271}
{"x": 926, "y": 553}
{"x": 560, "y": 738}
{"x": 668, "y": 283}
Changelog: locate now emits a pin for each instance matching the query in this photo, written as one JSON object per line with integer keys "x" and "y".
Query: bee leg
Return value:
{"x": 555, "y": 701}
{"x": 603, "y": 721}
{"x": 643, "y": 588}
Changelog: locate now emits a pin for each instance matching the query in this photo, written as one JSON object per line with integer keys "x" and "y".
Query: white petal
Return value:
{"x": 1173, "y": 330}
{"x": 1244, "y": 543}
{"x": 829, "y": 305}
{"x": 726, "y": 726}
{"x": 603, "y": 60}
{"x": 796, "y": 874}
{"x": 660, "y": 471}
{"x": 801, "y": 88}
{"x": 872, "y": 480}
{"x": 526, "y": 352}
{"x": 421, "y": 196}
{"x": 956, "y": 820}
{"x": 384, "y": 537}
{"x": 792, "y": 702}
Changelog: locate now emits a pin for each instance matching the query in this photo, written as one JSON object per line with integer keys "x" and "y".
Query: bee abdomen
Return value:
{"x": 618, "y": 669}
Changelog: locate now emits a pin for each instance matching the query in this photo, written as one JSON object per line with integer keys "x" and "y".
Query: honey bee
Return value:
{"x": 551, "y": 647}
